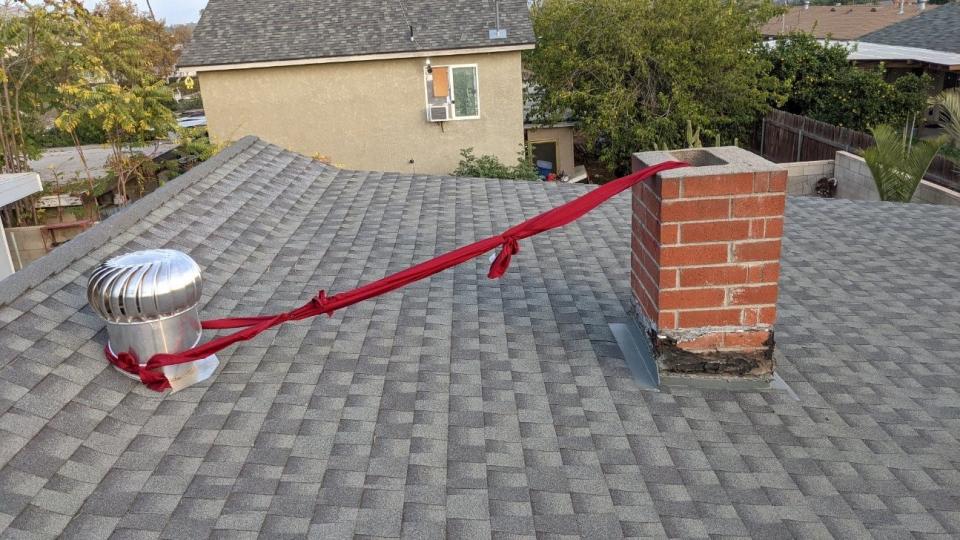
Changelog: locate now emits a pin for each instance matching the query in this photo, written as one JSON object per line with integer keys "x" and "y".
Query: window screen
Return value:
{"x": 465, "y": 91}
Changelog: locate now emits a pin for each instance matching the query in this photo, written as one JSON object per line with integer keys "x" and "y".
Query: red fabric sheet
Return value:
{"x": 508, "y": 241}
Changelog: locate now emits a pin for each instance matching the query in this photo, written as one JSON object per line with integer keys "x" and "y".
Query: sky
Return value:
{"x": 173, "y": 11}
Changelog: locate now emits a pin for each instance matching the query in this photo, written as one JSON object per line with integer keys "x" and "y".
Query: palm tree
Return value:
{"x": 948, "y": 116}
{"x": 896, "y": 165}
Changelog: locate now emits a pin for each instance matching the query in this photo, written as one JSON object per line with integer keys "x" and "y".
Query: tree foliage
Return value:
{"x": 948, "y": 117}
{"x": 897, "y": 165}
{"x": 41, "y": 49}
{"x": 130, "y": 44}
{"x": 121, "y": 90}
{"x": 635, "y": 72}
{"x": 819, "y": 82}
{"x": 487, "y": 166}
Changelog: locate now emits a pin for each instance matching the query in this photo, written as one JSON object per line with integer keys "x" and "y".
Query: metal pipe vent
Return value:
{"x": 149, "y": 300}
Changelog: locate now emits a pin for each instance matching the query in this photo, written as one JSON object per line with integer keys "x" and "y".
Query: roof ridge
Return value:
{"x": 62, "y": 256}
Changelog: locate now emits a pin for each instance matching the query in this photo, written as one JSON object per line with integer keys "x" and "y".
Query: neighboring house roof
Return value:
{"x": 251, "y": 31}
{"x": 877, "y": 52}
{"x": 64, "y": 163}
{"x": 462, "y": 406}
{"x": 840, "y": 22}
{"x": 937, "y": 29}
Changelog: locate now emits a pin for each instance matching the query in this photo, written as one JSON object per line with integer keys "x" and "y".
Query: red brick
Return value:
{"x": 669, "y": 233}
{"x": 715, "y": 231}
{"x": 761, "y": 182}
{"x": 757, "y": 228}
{"x": 763, "y": 294}
{"x": 667, "y": 320}
{"x": 693, "y": 255}
{"x": 767, "y": 315}
{"x": 773, "y": 228}
{"x": 713, "y": 275}
{"x": 709, "y": 317}
{"x": 686, "y": 210}
{"x": 647, "y": 283}
{"x": 760, "y": 316}
{"x": 745, "y": 340}
{"x": 650, "y": 244}
{"x": 764, "y": 273}
{"x": 668, "y": 278}
{"x": 778, "y": 182}
{"x": 765, "y": 250}
{"x": 768, "y": 205}
{"x": 715, "y": 186}
{"x": 669, "y": 188}
{"x": 691, "y": 298}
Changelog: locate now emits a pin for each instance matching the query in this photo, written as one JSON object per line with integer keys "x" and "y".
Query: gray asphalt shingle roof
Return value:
{"x": 937, "y": 29}
{"x": 467, "y": 407}
{"x": 240, "y": 31}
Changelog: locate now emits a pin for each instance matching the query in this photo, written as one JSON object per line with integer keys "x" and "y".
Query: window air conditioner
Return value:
{"x": 438, "y": 113}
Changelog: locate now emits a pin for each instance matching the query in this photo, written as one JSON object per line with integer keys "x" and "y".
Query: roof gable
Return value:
{"x": 248, "y": 31}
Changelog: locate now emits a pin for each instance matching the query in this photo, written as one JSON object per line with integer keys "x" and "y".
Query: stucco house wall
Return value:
{"x": 367, "y": 115}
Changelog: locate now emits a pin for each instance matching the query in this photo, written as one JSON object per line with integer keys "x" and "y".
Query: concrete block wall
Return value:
{"x": 855, "y": 182}
{"x": 802, "y": 176}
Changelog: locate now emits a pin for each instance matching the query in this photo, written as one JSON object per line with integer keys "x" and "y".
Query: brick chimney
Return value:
{"x": 706, "y": 259}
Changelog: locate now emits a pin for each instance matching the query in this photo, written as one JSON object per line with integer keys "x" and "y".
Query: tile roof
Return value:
{"x": 241, "y": 31}
{"x": 839, "y": 22}
{"x": 467, "y": 407}
{"x": 937, "y": 29}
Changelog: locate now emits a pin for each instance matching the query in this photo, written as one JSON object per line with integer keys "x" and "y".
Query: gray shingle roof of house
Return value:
{"x": 938, "y": 30}
{"x": 469, "y": 407}
{"x": 240, "y": 31}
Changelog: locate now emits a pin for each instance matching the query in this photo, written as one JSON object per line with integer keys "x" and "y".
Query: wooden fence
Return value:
{"x": 786, "y": 137}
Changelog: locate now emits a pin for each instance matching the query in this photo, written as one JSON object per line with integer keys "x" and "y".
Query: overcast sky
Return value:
{"x": 173, "y": 11}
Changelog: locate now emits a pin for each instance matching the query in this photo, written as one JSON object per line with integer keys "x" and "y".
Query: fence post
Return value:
{"x": 799, "y": 143}
{"x": 763, "y": 132}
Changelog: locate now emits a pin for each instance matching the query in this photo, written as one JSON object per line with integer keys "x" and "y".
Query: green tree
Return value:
{"x": 121, "y": 89}
{"x": 39, "y": 41}
{"x": 819, "y": 82}
{"x": 897, "y": 165}
{"x": 129, "y": 115}
{"x": 633, "y": 73}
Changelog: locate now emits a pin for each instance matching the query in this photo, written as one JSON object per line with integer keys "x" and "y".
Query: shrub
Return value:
{"x": 487, "y": 166}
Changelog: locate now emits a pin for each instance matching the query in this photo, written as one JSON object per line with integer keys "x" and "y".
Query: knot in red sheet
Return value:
{"x": 128, "y": 362}
{"x": 500, "y": 264}
{"x": 320, "y": 303}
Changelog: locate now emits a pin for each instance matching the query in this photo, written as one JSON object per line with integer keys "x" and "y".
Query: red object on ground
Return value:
{"x": 508, "y": 241}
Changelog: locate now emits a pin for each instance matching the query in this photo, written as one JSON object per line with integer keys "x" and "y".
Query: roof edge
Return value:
{"x": 63, "y": 256}
{"x": 354, "y": 58}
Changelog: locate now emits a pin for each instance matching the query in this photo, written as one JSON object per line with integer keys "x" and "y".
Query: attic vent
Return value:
{"x": 498, "y": 33}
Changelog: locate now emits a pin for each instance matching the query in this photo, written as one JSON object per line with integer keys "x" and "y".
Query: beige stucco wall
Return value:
{"x": 563, "y": 136}
{"x": 367, "y": 115}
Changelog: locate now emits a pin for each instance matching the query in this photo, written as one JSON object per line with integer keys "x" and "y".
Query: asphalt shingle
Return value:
{"x": 241, "y": 31}
{"x": 465, "y": 407}
{"x": 934, "y": 29}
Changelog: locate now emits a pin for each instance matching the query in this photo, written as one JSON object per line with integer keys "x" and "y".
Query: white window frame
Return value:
{"x": 451, "y": 93}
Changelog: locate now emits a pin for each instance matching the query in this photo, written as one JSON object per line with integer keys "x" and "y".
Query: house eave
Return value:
{"x": 190, "y": 70}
